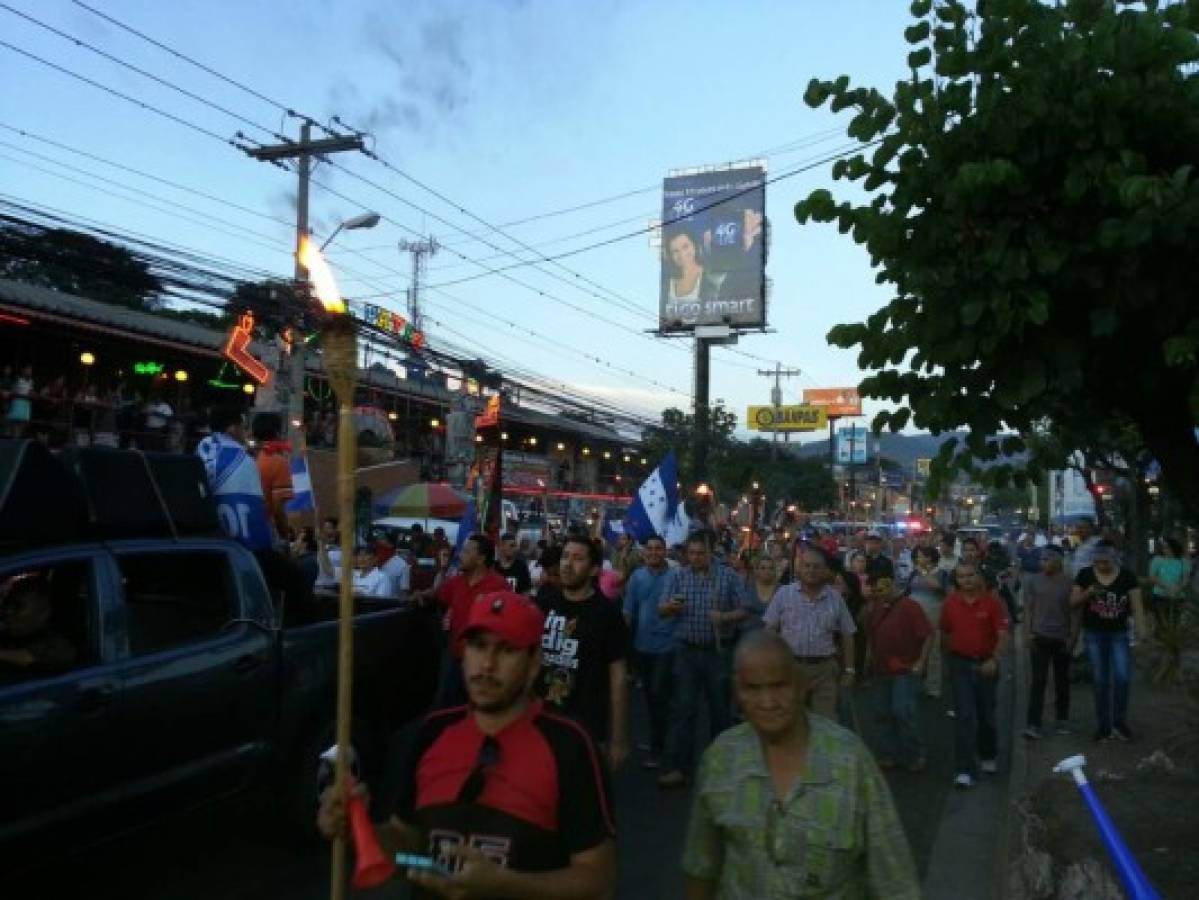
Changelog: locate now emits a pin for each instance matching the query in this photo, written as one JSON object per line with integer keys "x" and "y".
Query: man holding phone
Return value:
{"x": 510, "y": 799}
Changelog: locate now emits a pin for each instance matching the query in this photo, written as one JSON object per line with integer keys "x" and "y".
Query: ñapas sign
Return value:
{"x": 393, "y": 323}
{"x": 798, "y": 417}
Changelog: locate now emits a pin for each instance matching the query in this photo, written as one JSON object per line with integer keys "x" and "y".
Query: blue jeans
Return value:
{"x": 974, "y": 697}
{"x": 657, "y": 677}
{"x": 897, "y": 699}
{"x": 1111, "y": 662}
{"x": 696, "y": 669}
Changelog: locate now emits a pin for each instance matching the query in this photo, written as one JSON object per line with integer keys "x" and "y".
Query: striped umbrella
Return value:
{"x": 425, "y": 500}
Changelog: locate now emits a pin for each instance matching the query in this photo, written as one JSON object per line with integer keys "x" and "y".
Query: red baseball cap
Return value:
{"x": 512, "y": 616}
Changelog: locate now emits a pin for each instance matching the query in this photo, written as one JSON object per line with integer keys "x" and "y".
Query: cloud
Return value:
{"x": 430, "y": 76}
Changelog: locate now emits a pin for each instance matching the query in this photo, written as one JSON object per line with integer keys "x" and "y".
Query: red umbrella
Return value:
{"x": 425, "y": 501}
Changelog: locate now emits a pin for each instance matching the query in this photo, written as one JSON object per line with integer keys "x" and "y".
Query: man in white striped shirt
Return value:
{"x": 810, "y": 614}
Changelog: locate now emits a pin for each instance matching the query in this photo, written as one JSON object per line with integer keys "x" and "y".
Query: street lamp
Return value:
{"x": 362, "y": 220}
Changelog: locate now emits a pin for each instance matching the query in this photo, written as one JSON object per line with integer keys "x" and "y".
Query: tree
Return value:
{"x": 78, "y": 264}
{"x": 1034, "y": 205}
{"x": 274, "y": 303}
{"x": 677, "y": 433}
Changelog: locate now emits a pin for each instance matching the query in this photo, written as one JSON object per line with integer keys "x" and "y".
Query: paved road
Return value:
{"x": 224, "y": 851}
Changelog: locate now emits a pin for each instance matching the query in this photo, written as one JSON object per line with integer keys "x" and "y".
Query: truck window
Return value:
{"x": 174, "y": 598}
{"x": 45, "y": 613}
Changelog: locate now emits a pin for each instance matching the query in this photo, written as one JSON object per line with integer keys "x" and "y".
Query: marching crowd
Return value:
{"x": 745, "y": 663}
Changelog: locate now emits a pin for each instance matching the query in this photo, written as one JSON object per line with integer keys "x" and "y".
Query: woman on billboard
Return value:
{"x": 688, "y": 280}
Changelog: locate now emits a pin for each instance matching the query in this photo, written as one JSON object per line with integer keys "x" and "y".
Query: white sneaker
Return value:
{"x": 962, "y": 781}
{"x": 989, "y": 766}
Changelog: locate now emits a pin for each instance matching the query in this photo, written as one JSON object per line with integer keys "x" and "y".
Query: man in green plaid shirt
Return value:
{"x": 791, "y": 805}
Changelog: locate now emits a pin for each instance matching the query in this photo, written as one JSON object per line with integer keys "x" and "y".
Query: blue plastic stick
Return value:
{"x": 1136, "y": 883}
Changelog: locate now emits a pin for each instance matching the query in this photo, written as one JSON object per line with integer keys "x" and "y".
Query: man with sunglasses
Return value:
{"x": 510, "y": 798}
{"x": 790, "y": 804}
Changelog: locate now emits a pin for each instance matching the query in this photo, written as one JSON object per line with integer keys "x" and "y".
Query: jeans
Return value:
{"x": 897, "y": 699}
{"x": 1046, "y": 651}
{"x": 696, "y": 669}
{"x": 974, "y": 697}
{"x": 1111, "y": 662}
{"x": 657, "y": 677}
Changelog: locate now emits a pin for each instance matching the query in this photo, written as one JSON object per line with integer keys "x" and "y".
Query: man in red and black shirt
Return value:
{"x": 456, "y": 595}
{"x": 512, "y": 799}
{"x": 974, "y": 625}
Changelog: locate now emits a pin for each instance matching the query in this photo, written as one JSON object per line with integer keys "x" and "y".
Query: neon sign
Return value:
{"x": 392, "y": 323}
{"x": 237, "y": 349}
{"x": 148, "y": 368}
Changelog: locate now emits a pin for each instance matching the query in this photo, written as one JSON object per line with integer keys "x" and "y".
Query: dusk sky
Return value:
{"x": 510, "y": 110}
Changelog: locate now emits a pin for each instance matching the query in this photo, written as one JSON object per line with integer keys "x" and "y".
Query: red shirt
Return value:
{"x": 897, "y": 635}
{"x": 458, "y": 594}
{"x": 974, "y": 628}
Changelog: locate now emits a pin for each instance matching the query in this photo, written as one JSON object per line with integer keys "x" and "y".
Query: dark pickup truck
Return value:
{"x": 177, "y": 680}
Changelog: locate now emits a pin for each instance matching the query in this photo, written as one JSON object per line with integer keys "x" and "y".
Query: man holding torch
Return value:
{"x": 506, "y": 798}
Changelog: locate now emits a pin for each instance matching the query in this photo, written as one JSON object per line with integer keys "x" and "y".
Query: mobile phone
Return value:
{"x": 421, "y": 864}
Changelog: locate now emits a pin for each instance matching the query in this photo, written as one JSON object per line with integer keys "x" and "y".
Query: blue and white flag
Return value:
{"x": 302, "y": 499}
{"x": 656, "y": 504}
{"x": 237, "y": 489}
{"x": 466, "y": 527}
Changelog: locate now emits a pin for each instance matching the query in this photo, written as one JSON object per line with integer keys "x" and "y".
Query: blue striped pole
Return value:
{"x": 1136, "y": 883}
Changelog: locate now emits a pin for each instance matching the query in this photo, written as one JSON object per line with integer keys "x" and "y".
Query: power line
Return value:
{"x": 187, "y": 59}
{"x": 150, "y": 75}
{"x": 790, "y": 173}
{"x": 288, "y": 110}
{"x": 200, "y": 129}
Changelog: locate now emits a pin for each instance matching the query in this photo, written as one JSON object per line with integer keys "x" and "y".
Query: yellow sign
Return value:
{"x": 798, "y": 417}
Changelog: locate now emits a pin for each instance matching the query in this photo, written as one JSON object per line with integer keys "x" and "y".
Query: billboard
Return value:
{"x": 713, "y": 250}
{"x": 836, "y": 401}
{"x": 797, "y": 417}
{"x": 852, "y": 444}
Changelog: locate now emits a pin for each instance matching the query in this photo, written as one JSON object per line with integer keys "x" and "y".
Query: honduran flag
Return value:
{"x": 302, "y": 499}
{"x": 656, "y": 506}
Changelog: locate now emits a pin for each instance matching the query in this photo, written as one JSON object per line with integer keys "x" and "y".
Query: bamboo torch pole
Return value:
{"x": 340, "y": 351}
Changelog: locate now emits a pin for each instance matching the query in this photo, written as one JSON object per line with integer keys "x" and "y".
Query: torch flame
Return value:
{"x": 321, "y": 276}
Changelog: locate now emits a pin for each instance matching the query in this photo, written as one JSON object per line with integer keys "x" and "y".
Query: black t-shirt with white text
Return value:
{"x": 517, "y": 574}
{"x": 582, "y": 639}
{"x": 1108, "y": 608}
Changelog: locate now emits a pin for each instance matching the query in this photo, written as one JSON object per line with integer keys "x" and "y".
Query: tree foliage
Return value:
{"x": 677, "y": 433}
{"x": 735, "y": 466}
{"x": 78, "y": 264}
{"x": 1033, "y": 202}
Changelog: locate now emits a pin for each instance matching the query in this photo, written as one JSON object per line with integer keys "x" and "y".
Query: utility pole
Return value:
{"x": 776, "y": 400}
{"x": 420, "y": 251}
{"x": 703, "y": 349}
{"x": 302, "y": 151}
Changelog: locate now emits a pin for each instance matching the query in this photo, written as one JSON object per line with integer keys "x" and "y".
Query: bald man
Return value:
{"x": 812, "y": 807}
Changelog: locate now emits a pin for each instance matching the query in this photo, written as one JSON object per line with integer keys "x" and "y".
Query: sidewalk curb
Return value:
{"x": 969, "y": 852}
{"x": 1017, "y": 782}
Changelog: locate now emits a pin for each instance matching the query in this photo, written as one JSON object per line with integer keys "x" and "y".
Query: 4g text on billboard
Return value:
{"x": 714, "y": 250}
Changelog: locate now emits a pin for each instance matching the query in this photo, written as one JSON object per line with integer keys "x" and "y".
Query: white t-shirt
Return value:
{"x": 400, "y": 574}
{"x": 373, "y": 584}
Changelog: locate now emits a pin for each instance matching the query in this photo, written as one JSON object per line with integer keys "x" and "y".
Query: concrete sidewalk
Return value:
{"x": 969, "y": 854}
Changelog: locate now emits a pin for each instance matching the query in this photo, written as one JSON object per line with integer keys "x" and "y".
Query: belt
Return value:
{"x": 813, "y": 660}
{"x": 695, "y": 646}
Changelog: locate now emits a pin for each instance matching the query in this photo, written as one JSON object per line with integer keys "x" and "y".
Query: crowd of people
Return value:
{"x": 746, "y": 663}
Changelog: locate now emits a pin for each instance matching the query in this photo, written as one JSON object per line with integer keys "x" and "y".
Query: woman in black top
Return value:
{"x": 1107, "y": 593}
